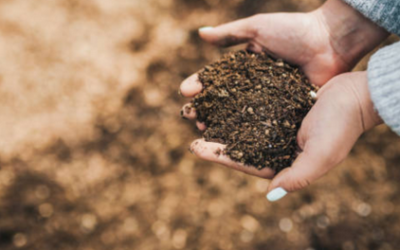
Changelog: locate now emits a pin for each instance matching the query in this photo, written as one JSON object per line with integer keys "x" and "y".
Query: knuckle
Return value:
{"x": 298, "y": 184}
{"x": 256, "y": 18}
{"x": 253, "y": 25}
{"x": 294, "y": 183}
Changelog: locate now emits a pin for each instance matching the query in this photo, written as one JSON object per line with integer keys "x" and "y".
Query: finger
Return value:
{"x": 211, "y": 151}
{"x": 309, "y": 166}
{"x": 201, "y": 126}
{"x": 188, "y": 111}
{"x": 255, "y": 47}
{"x": 233, "y": 33}
{"x": 191, "y": 86}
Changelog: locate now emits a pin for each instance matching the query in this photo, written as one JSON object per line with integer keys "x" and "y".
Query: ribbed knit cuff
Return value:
{"x": 385, "y": 13}
{"x": 384, "y": 84}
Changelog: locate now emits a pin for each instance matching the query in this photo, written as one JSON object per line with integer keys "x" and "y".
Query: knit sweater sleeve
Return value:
{"x": 385, "y": 13}
{"x": 384, "y": 65}
{"x": 384, "y": 84}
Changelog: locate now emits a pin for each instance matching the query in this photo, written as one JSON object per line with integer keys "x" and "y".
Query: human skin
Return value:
{"x": 324, "y": 43}
{"x": 343, "y": 112}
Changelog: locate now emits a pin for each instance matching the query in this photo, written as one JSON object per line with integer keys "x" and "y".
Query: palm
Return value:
{"x": 330, "y": 129}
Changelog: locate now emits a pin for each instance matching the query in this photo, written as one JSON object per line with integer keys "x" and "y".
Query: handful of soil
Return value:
{"x": 254, "y": 104}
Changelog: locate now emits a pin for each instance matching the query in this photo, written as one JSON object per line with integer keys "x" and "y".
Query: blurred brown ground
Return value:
{"x": 94, "y": 154}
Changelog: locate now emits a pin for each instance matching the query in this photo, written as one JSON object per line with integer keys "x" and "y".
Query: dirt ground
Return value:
{"x": 93, "y": 152}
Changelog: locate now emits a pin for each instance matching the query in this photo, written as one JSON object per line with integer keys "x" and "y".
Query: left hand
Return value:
{"x": 343, "y": 111}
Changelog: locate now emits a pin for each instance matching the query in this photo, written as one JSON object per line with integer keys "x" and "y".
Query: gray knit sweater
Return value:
{"x": 384, "y": 66}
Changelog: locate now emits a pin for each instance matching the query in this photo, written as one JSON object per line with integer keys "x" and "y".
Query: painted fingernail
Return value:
{"x": 276, "y": 194}
{"x": 313, "y": 95}
{"x": 206, "y": 28}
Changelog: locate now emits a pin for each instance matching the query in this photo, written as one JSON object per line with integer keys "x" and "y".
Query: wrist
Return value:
{"x": 351, "y": 34}
{"x": 359, "y": 84}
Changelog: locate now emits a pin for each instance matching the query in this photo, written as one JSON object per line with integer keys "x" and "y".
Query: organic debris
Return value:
{"x": 254, "y": 104}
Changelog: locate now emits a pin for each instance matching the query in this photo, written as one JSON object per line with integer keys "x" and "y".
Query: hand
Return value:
{"x": 343, "y": 111}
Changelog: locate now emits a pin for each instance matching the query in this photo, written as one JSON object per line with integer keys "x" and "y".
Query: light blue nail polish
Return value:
{"x": 276, "y": 194}
{"x": 206, "y": 28}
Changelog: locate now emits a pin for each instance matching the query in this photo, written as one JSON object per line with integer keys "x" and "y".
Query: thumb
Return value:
{"x": 309, "y": 166}
{"x": 237, "y": 32}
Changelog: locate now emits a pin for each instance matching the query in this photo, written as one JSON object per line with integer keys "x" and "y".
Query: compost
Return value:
{"x": 254, "y": 104}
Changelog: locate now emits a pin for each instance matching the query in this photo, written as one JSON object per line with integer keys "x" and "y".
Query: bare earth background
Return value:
{"x": 93, "y": 153}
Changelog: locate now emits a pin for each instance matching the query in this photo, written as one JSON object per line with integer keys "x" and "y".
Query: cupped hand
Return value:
{"x": 343, "y": 111}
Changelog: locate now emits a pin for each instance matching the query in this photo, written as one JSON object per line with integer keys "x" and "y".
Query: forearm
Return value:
{"x": 351, "y": 34}
{"x": 359, "y": 85}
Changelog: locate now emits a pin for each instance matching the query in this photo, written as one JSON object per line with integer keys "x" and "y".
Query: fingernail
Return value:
{"x": 182, "y": 116}
{"x": 187, "y": 109}
{"x": 276, "y": 194}
{"x": 206, "y": 28}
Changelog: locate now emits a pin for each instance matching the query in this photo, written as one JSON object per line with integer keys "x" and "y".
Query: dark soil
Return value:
{"x": 255, "y": 104}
